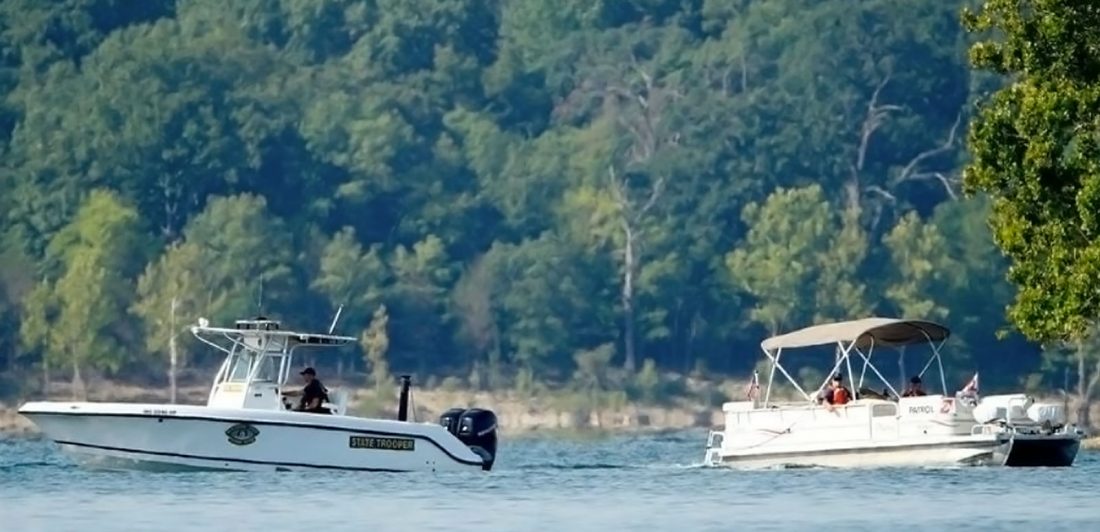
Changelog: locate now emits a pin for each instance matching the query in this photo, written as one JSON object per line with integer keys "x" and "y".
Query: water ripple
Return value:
{"x": 625, "y": 482}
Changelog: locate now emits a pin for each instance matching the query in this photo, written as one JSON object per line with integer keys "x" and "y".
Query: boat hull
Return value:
{"x": 930, "y": 454}
{"x": 1020, "y": 450}
{"x": 1026, "y": 450}
{"x": 179, "y": 437}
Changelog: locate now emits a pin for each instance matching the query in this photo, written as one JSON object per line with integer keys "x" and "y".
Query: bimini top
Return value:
{"x": 864, "y": 332}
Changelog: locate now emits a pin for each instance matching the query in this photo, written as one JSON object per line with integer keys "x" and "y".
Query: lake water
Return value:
{"x": 651, "y": 482}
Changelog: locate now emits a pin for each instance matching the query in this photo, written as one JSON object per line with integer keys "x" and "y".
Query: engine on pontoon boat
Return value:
{"x": 475, "y": 427}
{"x": 1019, "y": 409}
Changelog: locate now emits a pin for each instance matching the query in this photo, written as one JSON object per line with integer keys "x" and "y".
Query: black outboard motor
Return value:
{"x": 449, "y": 419}
{"x": 477, "y": 428}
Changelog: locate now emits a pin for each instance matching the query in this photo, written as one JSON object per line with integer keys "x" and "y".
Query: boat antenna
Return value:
{"x": 260, "y": 297}
{"x": 335, "y": 319}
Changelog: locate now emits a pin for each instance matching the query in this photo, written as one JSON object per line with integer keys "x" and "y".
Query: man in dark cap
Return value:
{"x": 914, "y": 389}
{"x": 314, "y": 394}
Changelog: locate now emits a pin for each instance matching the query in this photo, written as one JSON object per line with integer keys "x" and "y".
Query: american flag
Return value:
{"x": 972, "y": 386}
{"x": 754, "y": 386}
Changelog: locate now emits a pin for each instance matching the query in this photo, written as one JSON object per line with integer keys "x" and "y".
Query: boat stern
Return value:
{"x": 1058, "y": 449}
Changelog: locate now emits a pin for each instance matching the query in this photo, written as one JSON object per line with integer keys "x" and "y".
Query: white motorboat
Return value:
{"x": 247, "y": 424}
{"x": 886, "y": 429}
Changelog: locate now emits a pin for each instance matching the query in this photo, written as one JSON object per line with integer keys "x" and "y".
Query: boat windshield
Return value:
{"x": 242, "y": 364}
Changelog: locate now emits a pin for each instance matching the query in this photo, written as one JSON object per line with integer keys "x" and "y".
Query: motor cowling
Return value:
{"x": 475, "y": 427}
{"x": 449, "y": 419}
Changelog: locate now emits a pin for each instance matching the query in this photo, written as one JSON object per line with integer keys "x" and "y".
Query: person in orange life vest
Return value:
{"x": 835, "y": 394}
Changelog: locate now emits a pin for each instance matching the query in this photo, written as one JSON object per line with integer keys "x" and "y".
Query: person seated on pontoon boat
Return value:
{"x": 314, "y": 394}
{"x": 914, "y": 389}
{"x": 835, "y": 394}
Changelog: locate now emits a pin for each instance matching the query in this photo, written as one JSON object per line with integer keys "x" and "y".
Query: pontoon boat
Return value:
{"x": 886, "y": 429}
{"x": 248, "y": 425}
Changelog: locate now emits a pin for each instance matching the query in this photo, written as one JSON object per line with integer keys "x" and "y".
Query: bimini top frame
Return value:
{"x": 859, "y": 337}
{"x": 262, "y": 338}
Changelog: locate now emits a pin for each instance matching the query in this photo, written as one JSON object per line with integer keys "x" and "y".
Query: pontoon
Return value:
{"x": 247, "y": 424}
{"x": 886, "y": 429}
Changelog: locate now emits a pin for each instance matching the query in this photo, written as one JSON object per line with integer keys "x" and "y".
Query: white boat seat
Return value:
{"x": 337, "y": 401}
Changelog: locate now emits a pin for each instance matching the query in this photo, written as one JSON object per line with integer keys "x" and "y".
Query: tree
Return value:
{"x": 418, "y": 298}
{"x": 478, "y": 327}
{"x": 921, "y": 265}
{"x": 77, "y": 318}
{"x": 797, "y": 252}
{"x": 914, "y": 247}
{"x": 351, "y": 277}
{"x": 591, "y": 375}
{"x": 39, "y": 312}
{"x": 231, "y": 254}
{"x": 169, "y": 296}
{"x": 1082, "y": 357}
{"x": 1034, "y": 151}
{"x": 376, "y": 342}
{"x": 162, "y": 113}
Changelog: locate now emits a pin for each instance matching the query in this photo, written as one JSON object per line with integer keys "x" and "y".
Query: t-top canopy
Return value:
{"x": 864, "y": 332}
{"x": 292, "y": 336}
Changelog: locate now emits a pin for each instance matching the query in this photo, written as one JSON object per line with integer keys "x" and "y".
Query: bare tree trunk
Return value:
{"x": 78, "y": 392}
{"x": 45, "y": 378}
{"x": 1082, "y": 403}
{"x": 173, "y": 355}
{"x": 632, "y": 227}
{"x": 1086, "y": 386}
{"x": 628, "y": 298}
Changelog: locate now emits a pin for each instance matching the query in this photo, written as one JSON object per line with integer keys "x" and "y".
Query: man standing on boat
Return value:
{"x": 313, "y": 394}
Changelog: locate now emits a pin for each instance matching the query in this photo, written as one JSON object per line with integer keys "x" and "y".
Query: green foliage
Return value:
{"x": 536, "y": 192}
{"x": 376, "y": 343}
{"x": 72, "y": 321}
{"x": 798, "y": 261}
{"x": 232, "y": 262}
{"x": 648, "y": 381}
{"x": 1034, "y": 150}
{"x": 913, "y": 247}
{"x": 351, "y": 277}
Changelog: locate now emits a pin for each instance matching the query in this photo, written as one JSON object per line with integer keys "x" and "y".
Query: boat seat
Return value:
{"x": 337, "y": 402}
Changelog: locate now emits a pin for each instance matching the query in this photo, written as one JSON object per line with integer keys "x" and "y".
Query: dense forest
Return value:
{"x": 506, "y": 191}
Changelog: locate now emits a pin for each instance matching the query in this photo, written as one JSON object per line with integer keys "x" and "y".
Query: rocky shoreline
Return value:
{"x": 516, "y": 415}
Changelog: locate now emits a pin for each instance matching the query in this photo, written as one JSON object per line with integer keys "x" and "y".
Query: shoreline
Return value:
{"x": 517, "y": 416}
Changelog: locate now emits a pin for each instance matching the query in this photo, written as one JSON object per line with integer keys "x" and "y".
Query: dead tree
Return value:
{"x": 875, "y": 118}
{"x": 631, "y": 222}
{"x": 639, "y": 108}
{"x": 914, "y": 170}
